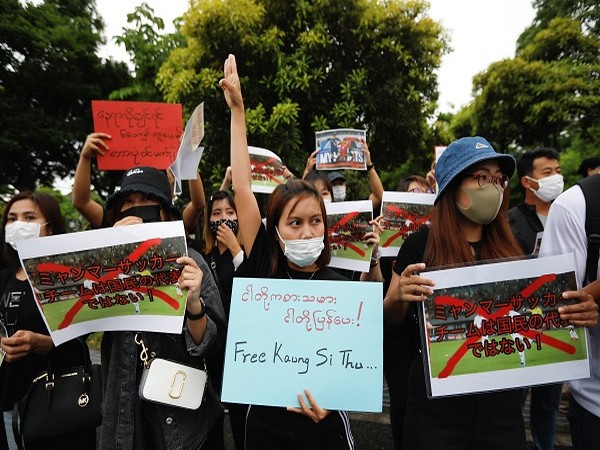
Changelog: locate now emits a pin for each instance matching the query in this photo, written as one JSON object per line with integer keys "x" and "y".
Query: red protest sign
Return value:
{"x": 143, "y": 133}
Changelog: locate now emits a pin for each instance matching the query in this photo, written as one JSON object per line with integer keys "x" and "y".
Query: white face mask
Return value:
{"x": 19, "y": 231}
{"x": 302, "y": 252}
{"x": 549, "y": 187}
{"x": 339, "y": 193}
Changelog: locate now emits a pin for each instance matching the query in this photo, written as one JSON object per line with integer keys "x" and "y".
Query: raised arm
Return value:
{"x": 193, "y": 209}
{"x": 245, "y": 202}
{"x": 226, "y": 184}
{"x": 311, "y": 162}
{"x": 82, "y": 199}
{"x": 374, "y": 181}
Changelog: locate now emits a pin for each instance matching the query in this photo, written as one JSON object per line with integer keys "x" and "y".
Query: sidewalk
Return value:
{"x": 373, "y": 432}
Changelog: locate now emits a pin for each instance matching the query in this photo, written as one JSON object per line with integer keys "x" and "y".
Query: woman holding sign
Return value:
{"x": 468, "y": 224}
{"x": 128, "y": 421}
{"x": 26, "y": 346}
{"x": 293, "y": 245}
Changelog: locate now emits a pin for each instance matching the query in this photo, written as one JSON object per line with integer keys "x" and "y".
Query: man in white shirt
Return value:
{"x": 564, "y": 232}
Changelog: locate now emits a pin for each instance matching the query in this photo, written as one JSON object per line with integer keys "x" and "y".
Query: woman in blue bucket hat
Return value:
{"x": 468, "y": 224}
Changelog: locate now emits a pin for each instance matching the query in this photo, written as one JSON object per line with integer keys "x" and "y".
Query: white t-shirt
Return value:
{"x": 565, "y": 231}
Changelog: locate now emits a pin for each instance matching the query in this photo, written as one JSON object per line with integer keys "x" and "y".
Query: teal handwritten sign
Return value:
{"x": 285, "y": 336}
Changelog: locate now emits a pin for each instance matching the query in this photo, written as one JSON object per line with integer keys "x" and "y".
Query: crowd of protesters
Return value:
{"x": 470, "y": 222}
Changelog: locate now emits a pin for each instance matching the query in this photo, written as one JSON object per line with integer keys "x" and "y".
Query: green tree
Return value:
{"x": 549, "y": 94}
{"x": 309, "y": 65}
{"x": 49, "y": 72}
{"x": 148, "y": 48}
{"x": 585, "y": 12}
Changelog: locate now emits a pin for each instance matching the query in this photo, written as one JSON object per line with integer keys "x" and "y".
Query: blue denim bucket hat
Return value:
{"x": 464, "y": 153}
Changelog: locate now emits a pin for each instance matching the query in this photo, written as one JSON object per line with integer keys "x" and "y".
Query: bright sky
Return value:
{"x": 481, "y": 32}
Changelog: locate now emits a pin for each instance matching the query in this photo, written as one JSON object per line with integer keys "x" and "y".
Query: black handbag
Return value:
{"x": 60, "y": 401}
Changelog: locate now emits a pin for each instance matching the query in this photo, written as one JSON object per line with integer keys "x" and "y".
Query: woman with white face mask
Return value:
{"x": 29, "y": 215}
{"x": 294, "y": 245}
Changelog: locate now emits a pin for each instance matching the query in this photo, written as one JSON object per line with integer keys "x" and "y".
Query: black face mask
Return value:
{"x": 231, "y": 223}
{"x": 149, "y": 213}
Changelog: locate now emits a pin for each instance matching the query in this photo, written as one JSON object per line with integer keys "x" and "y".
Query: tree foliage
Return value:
{"x": 148, "y": 47}
{"x": 586, "y": 12}
{"x": 308, "y": 65}
{"x": 549, "y": 94}
{"x": 49, "y": 72}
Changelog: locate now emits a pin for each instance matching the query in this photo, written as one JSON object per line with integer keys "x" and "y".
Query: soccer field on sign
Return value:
{"x": 349, "y": 253}
{"x": 55, "y": 312}
{"x": 441, "y": 352}
{"x": 387, "y": 234}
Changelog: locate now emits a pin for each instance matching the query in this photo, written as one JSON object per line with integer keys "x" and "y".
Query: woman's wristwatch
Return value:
{"x": 375, "y": 258}
{"x": 200, "y": 315}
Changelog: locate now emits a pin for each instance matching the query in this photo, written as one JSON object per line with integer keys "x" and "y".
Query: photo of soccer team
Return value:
{"x": 341, "y": 149}
{"x": 500, "y": 328}
{"x": 400, "y": 220}
{"x": 267, "y": 170}
{"x": 346, "y": 232}
{"x": 135, "y": 278}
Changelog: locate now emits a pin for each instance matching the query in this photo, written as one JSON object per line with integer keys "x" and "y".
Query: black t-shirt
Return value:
{"x": 18, "y": 311}
{"x": 257, "y": 265}
{"x": 412, "y": 250}
{"x": 401, "y": 341}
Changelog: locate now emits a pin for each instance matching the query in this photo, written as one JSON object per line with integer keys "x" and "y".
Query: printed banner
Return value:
{"x": 267, "y": 170}
{"x": 347, "y": 223}
{"x": 285, "y": 336}
{"x": 343, "y": 148}
{"x": 143, "y": 133}
{"x": 121, "y": 278}
{"x": 496, "y": 326}
{"x": 403, "y": 213}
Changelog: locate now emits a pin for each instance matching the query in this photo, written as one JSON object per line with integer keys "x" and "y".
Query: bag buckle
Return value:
{"x": 181, "y": 375}
{"x": 144, "y": 353}
{"x": 49, "y": 386}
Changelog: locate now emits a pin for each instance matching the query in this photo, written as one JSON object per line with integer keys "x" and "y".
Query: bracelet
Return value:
{"x": 370, "y": 166}
{"x": 376, "y": 256}
{"x": 200, "y": 315}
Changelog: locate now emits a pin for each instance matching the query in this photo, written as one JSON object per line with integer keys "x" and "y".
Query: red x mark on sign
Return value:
{"x": 463, "y": 349}
{"x": 136, "y": 254}
{"x": 414, "y": 218}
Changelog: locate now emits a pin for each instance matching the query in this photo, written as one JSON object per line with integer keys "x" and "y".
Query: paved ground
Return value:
{"x": 372, "y": 431}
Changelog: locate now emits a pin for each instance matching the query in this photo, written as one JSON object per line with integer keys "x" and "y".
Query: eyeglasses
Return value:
{"x": 422, "y": 191}
{"x": 487, "y": 178}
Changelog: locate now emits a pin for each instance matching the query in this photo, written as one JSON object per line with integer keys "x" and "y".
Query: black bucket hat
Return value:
{"x": 145, "y": 180}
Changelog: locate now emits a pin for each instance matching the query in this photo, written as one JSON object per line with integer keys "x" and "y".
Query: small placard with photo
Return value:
{"x": 342, "y": 148}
